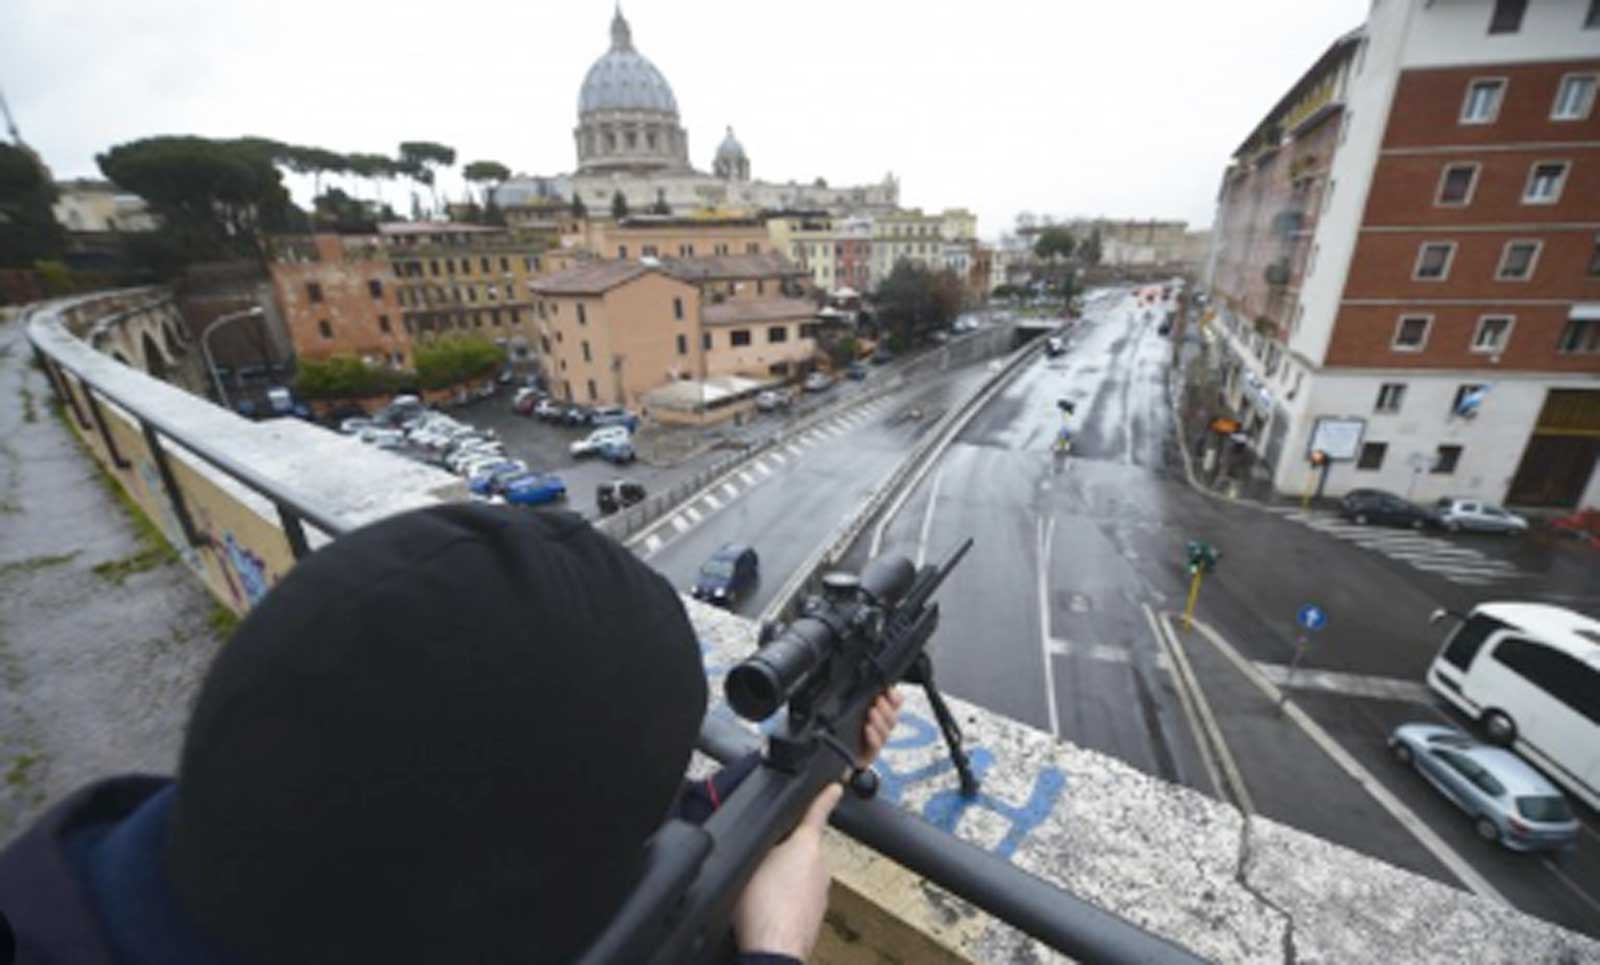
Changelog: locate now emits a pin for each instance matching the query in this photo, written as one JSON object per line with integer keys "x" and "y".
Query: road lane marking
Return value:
{"x": 749, "y": 480}
{"x": 652, "y": 543}
{"x": 713, "y": 502}
{"x": 927, "y": 517}
{"x": 1185, "y": 676}
{"x": 1582, "y": 895}
{"x": 763, "y": 468}
{"x": 1047, "y": 531}
{"x": 1206, "y": 759}
{"x": 731, "y": 490}
{"x": 777, "y": 457}
{"x": 1346, "y": 684}
{"x": 680, "y": 524}
{"x": 1363, "y": 777}
{"x": 793, "y": 450}
{"x": 692, "y": 513}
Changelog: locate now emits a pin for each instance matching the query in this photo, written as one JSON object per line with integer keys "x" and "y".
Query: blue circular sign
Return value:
{"x": 1312, "y": 617}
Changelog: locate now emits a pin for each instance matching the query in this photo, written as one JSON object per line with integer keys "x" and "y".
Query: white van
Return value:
{"x": 1530, "y": 674}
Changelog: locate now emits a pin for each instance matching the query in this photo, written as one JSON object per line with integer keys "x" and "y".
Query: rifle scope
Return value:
{"x": 765, "y": 680}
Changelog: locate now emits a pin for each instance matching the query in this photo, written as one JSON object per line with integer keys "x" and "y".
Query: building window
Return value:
{"x": 1574, "y": 98}
{"x": 583, "y": 315}
{"x": 683, "y": 345}
{"x": 677, "y": 309}
{"x": 466, "y": 266}
{"x": 383, "y": 324}
{"x": 1591, "y": 20}
{"x": 494, "y": 317}
{"x": 1372, "y": 454}
{"x": 777, "y": 333}
{"x": 1411, "y": 334}
{"x": 1482, "y": 105}
{"x": 484, "y": 266}
{"x": 1456, "y": 184}
{"x": 593, "y": 394}
{"x": 516, "y": 316}
{"x": 1433, "y": 261}
{"x": 1517, "y": 260}
{"x": 325, "y": 328}
{"x": 752, "y": 248}
{"x": 761, "y": 287}
{"x": 433, "y": 266}
{"x": 705, "y": 341}
{"x": 375, "y": 287}
{"x": 1492, "y": 333}
{"x": 505, "y": 263}
{"x": 411, "y": 327}
{"x": 622, "y": 252}
{"x": 739, "y": 337}
{"x": 1390, "y": 397}
{"x": 313, "y": 291}
{"x": 648, "y": 251}
{"x": 586, "y": 356}
{"x": 1507, "y": 16}
{"x": 1545, "y": 180}
{"x": 1580, "y": 335}
{"x": 1594, "y": 254}
{"x": 1445, "y": 460}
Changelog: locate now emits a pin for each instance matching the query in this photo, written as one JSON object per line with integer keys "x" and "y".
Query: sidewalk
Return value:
{"x": 103, "y": 634}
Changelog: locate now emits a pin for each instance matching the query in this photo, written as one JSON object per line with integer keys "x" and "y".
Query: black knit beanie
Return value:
{"x": 442, "y": 738}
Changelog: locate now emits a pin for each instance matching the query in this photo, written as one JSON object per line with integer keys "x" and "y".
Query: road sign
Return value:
{"x": 1339, "y": 438}
{"x": 1312, "y": 617}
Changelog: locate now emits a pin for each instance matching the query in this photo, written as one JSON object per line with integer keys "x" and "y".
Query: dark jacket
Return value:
{"x": 85, "y": 886}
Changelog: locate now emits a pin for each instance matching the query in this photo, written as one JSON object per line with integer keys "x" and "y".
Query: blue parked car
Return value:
{"x": 489, "y": 481}
{"x": 618, "y": 453}
{"x": 533, "y": 489}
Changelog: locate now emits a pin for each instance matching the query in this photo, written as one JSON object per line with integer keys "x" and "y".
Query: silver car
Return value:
{"x": 1459, "y": 514}
{"x": 1506, "y": 798}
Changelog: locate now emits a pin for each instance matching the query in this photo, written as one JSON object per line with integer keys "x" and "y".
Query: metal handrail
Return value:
{"x": 1037, "y": 907}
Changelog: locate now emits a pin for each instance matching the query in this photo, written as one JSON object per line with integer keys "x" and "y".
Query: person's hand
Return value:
{"x": 780, "y": 912}
{"x": 879, "y": 724}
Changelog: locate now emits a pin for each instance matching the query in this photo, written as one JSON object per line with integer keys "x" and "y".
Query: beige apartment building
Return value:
{"x": 611, "y": 330}
{"x": 662, "y": 236}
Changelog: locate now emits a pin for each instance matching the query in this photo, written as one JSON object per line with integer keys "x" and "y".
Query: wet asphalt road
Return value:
{"x": 1046, "y": 620}
{"x": 789, "y": 502}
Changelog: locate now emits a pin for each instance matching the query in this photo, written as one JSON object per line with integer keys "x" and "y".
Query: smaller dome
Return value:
{"x": 730, "y": 148}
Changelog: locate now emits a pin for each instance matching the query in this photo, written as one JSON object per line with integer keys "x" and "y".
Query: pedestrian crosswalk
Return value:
{"x": 1452, "y": 561}
{"x": 750, "y": 475}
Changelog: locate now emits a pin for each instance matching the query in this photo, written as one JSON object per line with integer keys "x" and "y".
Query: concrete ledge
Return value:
{"x": 1171, "y": 860}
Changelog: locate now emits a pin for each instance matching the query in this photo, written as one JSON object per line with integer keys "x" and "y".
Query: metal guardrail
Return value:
{"x": 1036, "y": 907}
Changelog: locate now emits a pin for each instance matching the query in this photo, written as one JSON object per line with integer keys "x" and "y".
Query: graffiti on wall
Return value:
{"x": 243, "y": 571}
{"x": 908, "y": 748}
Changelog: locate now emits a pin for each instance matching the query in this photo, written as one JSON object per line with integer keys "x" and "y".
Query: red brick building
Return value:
{"x": 1406, "y": 263}
{"x": 337, "y": 294}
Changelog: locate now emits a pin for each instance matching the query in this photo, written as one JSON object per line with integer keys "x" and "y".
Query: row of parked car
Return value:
{"x": 476, "y": 455}
{"x": 612, "y": 426}
{"x": 1365, "y": 506}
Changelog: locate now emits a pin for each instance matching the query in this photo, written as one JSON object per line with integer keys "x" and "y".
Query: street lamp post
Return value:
{"x": 205, "y": 348}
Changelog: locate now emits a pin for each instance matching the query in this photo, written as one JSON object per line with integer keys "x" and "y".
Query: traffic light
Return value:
{"x": 1202, "y": 556}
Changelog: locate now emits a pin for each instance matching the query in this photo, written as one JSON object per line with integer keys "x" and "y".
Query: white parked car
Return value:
{"x": 382, "y": 438}
{"x": 817, "y": 382}
{"x": 1459, "y": 514}
{"x": 591, "y": 443}
{"x": 772, "y": 399}
{"x": 355, "y": 424}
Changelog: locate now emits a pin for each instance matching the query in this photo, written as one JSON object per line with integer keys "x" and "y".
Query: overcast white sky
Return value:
{"x": 1123, "y": 109}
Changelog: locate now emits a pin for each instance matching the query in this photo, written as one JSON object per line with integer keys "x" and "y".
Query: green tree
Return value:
{"x": 487, "y": 175}
{"x": 346, "y": 377}
{"x": 913, "y": 300}
{"x": 454, "y": 359}
{"x": 421, "y": 160}
{"x": 1090, "y": 252}
{"x": 579, "y": 209}
{"x": 1053, "y": 242}
{"x": 619, "y": 205}
{"x": 28, "y": 229}
{"x": 214, "y": 197}
{"x": 843, "y": 351}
